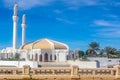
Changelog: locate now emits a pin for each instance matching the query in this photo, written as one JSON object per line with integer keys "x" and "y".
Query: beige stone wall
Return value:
{"x": 66, "y": 73}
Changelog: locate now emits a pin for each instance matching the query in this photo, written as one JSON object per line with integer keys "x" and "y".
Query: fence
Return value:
{"x": 59, "y": 73}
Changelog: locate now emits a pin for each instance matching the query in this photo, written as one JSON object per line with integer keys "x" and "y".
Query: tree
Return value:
{"x": 88, "y": 52}
{"x": 118, "y": 53}
{"x": 110, "y": 51}
{"x": 81, "y": 54}
{"x": 93, "y": 47}
{"x": 101, "y": 52}
{"x": 17, "y": 56}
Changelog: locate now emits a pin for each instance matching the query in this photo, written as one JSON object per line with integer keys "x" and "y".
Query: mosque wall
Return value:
{"x": 61, "y": 55}
{"x": 47, "y": 55}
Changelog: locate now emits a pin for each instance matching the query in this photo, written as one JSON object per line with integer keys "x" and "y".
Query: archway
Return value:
{"x": 67, "y": 57}
{"x": 40, "y": 57}
{"x": 51, "y": 57}
{"x": 55, "y": 57}
{"x": 46, "y": 57}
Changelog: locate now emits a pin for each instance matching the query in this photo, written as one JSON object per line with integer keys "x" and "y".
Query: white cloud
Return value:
{"x": 106, "y": 23}
{"x": 117, "y": 3}
{"x": 111, "y": 29}
{"x": 76, "y": 4}
{"x": 81, "y": 2}
{"x": 27, "y": 4}
{"x": 78, "y": 44}
{"x": 106, "y": 34}
{"x": 73, "y": 4}
{"x": 113, "y": 16}
{"x": 65, "y": 20}
{"x": 57, "y": 11}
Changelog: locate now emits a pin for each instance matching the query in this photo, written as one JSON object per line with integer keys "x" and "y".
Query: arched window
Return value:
{"x": 51, "y": 57}
{"x": 55, "y": 57}
{"x": 40, "y": 57}
{"x": 67, "y": 57}
{"x": 46, "y": 57}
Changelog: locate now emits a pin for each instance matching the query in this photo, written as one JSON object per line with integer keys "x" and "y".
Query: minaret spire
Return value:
{"x": 23, "y": 28}
{"x": 15, "y": 21}
{"x": 15, "y": 10}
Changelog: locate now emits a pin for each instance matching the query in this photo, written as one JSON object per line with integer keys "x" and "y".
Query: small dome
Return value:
{"x": 45, "y": 44}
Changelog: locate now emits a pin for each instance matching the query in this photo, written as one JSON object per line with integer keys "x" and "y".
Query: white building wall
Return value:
{"x": 84, "y": 64}
{"x": 19, "y": 64}
{"x": 105, "y": 62}
{"x": 61, "y": 55}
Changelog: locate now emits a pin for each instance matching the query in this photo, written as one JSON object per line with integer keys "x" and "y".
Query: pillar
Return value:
{"x": 42, "y": 57}
{"x": 26, "y": 71}
{"x": 53, "y": 57}
{"x": 23, "y": 29}
{"x": 48, "y": 57}
{"x": 74, "y": 70}
{"x": 117, "y": 74}
{"x": 15, "y": 21}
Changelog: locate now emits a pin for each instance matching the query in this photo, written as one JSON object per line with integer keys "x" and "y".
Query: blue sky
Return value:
{"x": 74, "y": 22}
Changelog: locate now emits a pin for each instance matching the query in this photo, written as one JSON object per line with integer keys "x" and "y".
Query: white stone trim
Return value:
{"x": 50, "y": 43}
{"x": 61, "y": 44}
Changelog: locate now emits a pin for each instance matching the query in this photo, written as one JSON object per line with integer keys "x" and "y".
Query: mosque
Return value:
{"x": 43, "y": 50}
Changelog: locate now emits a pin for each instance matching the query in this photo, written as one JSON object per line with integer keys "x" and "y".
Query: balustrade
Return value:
{"x": 65, "y": 71}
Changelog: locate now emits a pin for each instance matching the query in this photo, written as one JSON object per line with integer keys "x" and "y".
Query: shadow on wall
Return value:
{"x": 97, "y": 63}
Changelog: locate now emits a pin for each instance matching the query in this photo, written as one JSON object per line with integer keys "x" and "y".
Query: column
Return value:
{"x": 23, "y": 29}
{"x": 57, "y": 57}
{"x": 15, "y": 21}
{"x": 53, "y": 57}
{"x": 42, "y": 57}
{"x": 74, "y": 70}
{"x": 117, "y": 74}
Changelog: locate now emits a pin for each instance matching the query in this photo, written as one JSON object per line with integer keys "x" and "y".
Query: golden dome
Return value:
{"x": 45, "y": 44}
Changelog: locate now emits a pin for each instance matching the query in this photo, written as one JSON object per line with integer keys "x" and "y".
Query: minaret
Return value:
{"x": 23, "y": 28}
{"x": 15, "y": 21}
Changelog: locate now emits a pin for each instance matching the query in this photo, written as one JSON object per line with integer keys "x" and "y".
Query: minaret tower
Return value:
{"x": 15, "y": 21}
{"x": 23, "y": 28}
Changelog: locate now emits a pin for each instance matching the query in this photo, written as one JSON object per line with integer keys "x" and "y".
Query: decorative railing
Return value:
{"x": 50, "y": 71}
{"x": 72, "y": 72}
{"x": 97, "y": 71}
{"x": 11, "y": 71}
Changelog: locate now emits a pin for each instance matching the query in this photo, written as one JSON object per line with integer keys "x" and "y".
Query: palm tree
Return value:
{"x": 94, "y": 46}
{"x": 81, "y": 54}
{"x": 110, "y": 51}
{"x": 101, "y": 54}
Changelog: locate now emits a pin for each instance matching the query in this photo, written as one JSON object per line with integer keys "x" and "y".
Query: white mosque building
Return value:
{"x": 39, "y": 52}
{"x": 43, "y": 50}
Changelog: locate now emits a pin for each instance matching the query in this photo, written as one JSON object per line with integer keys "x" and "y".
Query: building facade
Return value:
{"x": 45, "y": 50}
